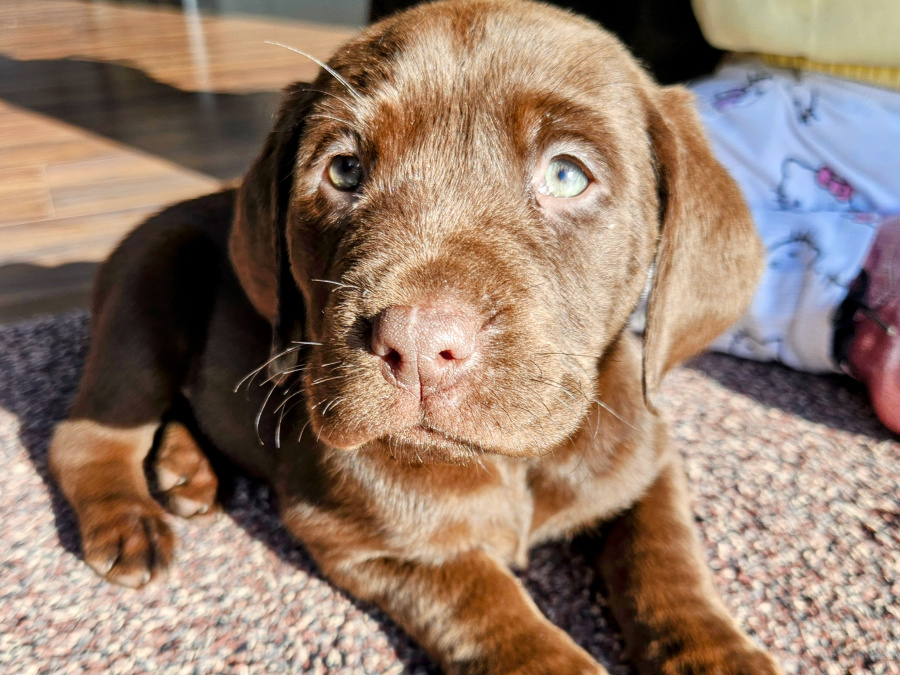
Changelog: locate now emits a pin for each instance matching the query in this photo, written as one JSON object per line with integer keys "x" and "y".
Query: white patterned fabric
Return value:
{"x": 818, "y": 160}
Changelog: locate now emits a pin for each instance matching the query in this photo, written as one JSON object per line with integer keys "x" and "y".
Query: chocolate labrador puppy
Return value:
{"x": 411, "y": 320}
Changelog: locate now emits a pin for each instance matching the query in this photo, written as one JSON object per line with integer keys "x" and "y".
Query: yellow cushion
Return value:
{"x": 883, "y": 77}
{"x": 857, "y": 32}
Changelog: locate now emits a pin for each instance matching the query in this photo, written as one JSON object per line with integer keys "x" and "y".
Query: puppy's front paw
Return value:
{"x": 559, "y": 664}
{"x": 126, "y": 541}
{"x": 184, "y": 474}
{"x": 542, "y": 654}
{"x": 562, "y": 664}
{"x": 740, "y": 660}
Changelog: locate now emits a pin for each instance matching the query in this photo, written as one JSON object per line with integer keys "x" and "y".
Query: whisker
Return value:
{"x": 319, "y": 403}
{"x": 613, "y": 413}
{"x": 284, "y": 411}
{"x": 331, "y": 405}
{"x": 336, "y": 283}
{"x": 594, "y": 426}
{"x": 561, "y": 402}
{"x": 586, "y": 356}
{"x": 322, "y": 116}
{"x": 558, "y": 386}
{"x": 533, "y": 393}
{"x": 340, "y": 284}
{"x": 592, "y": 400}
{"x": 328, "y": 379}
{"x": 281, "y": 373}
{"x": 293, "y": 388}
{"x": 323, "y": 92}
{"x": 253, "y": 373}
{"x": 302, "y": 430}
{"x": 298, "y": 369}
{"x": 286, "y": 399}
{"x": 519, "y": 427}
{"x": 331, "y": 365}
{"x": 261, "y": 408}
{"x": 324, "y": 66}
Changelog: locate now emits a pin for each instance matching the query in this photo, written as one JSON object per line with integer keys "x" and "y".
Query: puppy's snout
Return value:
{"x": 425, "y": 349}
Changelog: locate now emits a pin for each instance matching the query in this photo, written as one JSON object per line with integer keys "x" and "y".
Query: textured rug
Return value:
{"x": 796, "y": 496}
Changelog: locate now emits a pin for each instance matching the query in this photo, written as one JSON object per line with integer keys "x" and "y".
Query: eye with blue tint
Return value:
{"x": 564, "y": 179}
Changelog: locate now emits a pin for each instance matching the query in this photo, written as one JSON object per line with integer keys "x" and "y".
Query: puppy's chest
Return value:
{"x": 503, "y": 506}
{"x": 435, "y": 512}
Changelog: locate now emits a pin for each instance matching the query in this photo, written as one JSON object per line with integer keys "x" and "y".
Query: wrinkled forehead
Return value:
{"x": 478, "y": 73}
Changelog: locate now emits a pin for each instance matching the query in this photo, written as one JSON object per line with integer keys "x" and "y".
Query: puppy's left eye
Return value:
{"x": 345, "y": 172}
{"x": 563, "y": 179}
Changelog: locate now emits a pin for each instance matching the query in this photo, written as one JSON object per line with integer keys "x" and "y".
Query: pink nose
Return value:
{"x": 424, "y": 349}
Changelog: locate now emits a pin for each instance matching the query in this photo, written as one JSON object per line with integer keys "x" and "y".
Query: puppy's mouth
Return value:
{"x": 460, "y": 424}
{"x": 409, "y": 426}
{"x": 424, "y": 444}
{"x": 422, "y": 433}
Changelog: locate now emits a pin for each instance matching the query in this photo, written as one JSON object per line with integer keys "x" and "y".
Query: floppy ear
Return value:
{"x": 709, "y": 256}
{"x": 258, "y": 245}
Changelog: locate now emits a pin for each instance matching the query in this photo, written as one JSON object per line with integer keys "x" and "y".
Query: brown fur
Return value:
{"x": 421, "y": 505}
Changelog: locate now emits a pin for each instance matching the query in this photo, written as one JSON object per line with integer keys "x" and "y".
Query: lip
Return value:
{"x": 426, "y": 445}
{"x": 423, "y": 434}
{"x": 425, "y": 437}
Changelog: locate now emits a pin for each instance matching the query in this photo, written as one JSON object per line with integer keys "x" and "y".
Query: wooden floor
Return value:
{"x": 110, "y": 111}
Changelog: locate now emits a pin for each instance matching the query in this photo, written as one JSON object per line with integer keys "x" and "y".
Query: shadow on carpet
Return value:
{"x": 796, "y": 496}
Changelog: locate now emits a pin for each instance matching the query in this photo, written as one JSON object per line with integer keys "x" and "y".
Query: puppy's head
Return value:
{"x": 463, "y": 214}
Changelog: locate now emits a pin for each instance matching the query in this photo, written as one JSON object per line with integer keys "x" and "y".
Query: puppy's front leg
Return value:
{"x": 100, "y": 471}
{"x": 470, "y": 613}
{"x": 662, "y": 593}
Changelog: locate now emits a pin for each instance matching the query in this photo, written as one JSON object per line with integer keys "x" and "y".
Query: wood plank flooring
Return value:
{"x": 109, "y": 112}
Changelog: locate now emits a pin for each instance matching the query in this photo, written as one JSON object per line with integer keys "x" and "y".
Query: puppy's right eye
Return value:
{"x": 345, "y": 172}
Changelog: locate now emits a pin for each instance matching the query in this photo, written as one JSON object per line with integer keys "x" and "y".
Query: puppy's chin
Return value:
{"x": 416, "y": 443}
{"x": 422, "y": 443}
{"x": 421, "y": 446}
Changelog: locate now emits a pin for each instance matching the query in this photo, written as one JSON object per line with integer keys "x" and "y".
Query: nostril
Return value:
{"x": 393, "y": 358}
{"x": 447, "y": 355}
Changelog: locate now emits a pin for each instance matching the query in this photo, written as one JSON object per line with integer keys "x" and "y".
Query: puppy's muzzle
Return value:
{"x": 425, "y": 349}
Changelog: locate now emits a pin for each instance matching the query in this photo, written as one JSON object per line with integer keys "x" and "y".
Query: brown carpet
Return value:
{"x": 796, "y": 494}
